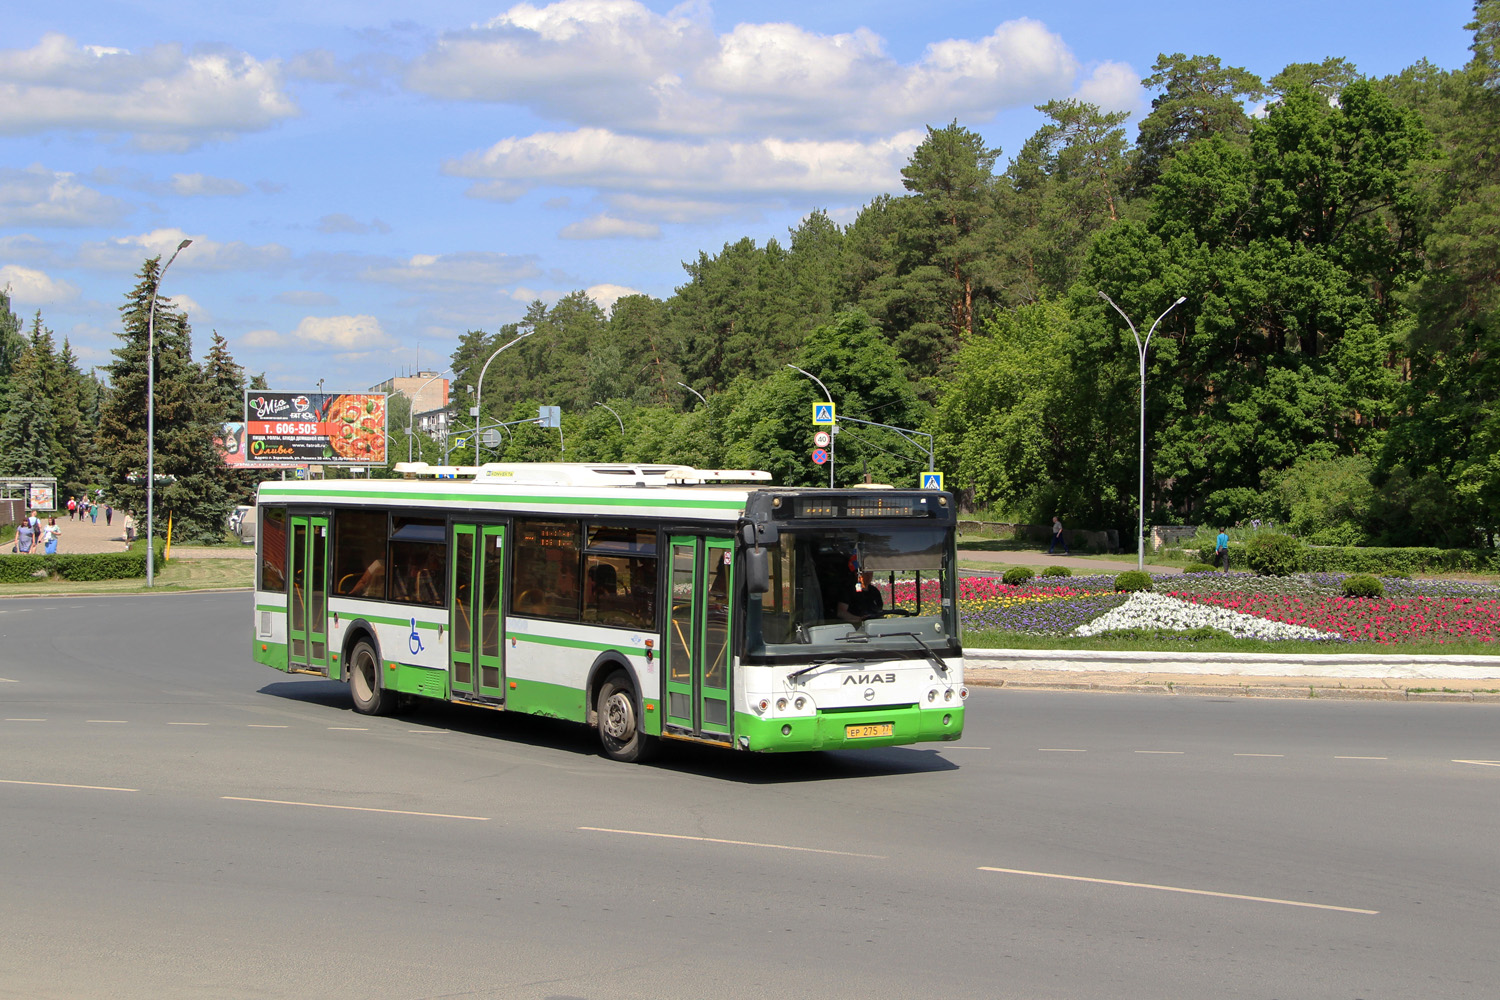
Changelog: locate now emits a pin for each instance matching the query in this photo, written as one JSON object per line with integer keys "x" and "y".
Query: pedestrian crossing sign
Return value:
{"x": 823, "y": 414}
{"x": 932, "y": 480}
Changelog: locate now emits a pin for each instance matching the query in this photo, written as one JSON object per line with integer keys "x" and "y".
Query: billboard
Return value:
{"x": 334, "y": 428}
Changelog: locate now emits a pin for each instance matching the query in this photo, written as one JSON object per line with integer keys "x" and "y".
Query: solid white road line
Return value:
{"x": 58, "y": 784}
{"x": 732, "y": 843}
{"x": 326, "y": 805}
{"x": 1175, "y": 888}
{"x": 25, "y": 720}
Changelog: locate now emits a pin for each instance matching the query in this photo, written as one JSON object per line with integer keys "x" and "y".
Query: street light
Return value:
{"x": 151, "y": 415}
{"x": 611, "y": 409}
{"x": 695, "y": 392}
{"x": 1141, "y": 346}
{"x": 479, "y": 386}
{"x": 832, "y": 431}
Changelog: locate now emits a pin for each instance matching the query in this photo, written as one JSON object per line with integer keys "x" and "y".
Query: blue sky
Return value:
{"x": 363, "y": 182}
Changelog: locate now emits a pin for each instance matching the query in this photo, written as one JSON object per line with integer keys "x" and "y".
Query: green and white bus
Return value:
{"x": 652, "y": 602}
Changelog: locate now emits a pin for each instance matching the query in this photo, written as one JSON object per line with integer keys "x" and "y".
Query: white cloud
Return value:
{"x": 32, "y": 288}
{"x": 163, "y": 97}
{"x": 37, "y": 196}
{"x": 605, "y": 296}
{"x": 605, "y": 226}
{"x": 348, "y": 334}
{"x": 600, "y": 158}
{"x": 430, "y": 272}
{"x": 127, "y": 252}
{"x": 193, "y": 185}
{"x": 340, "y": 223}
{"x": 1113, "y": 87}
{"x": 616, "y": 64}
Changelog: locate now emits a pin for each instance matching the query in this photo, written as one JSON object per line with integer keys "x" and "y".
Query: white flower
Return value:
{"x": 1157, "y": 611}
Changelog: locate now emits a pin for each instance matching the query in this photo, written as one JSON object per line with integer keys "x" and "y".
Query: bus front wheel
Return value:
{"x": 619, "y": 723}
{"x": 364, "y": 682}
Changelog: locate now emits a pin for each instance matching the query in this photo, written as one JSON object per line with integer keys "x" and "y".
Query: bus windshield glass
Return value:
{"x": 850, "y": 591}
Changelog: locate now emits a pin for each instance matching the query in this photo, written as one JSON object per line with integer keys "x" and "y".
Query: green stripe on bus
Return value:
{"x": 550, "y": 640}
{"x": 620, "y": 501}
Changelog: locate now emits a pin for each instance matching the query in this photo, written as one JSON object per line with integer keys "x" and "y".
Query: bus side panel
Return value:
{"x": 547, "y": 666}
{"x": 413, "y": 650}
{"x": 270, "y": 630}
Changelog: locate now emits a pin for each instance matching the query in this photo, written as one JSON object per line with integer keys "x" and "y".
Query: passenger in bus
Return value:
{"x": 372, "y": 582}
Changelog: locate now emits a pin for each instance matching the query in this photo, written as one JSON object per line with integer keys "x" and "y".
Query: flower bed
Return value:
{"x": 1306, "y": 606}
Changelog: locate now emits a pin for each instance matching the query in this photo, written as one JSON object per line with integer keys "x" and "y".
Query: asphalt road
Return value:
{"x": 176, "y": 821}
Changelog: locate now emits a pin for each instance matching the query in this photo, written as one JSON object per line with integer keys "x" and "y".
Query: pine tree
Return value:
{"x": 28, "y": 431}
{"x": 189, "y": 487}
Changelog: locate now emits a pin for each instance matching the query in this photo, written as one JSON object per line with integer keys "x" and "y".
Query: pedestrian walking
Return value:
{"x": 94, "y": 513}
{"x": 1221, "y": 550}
{"x": 72, "y": 507}
{"x": 129, "y": 523}
{"x": 49, "y": 536}
{"x": 24, "y": 537}
{"x": 109, "y": 512}
{"x": 1057, "y": 537}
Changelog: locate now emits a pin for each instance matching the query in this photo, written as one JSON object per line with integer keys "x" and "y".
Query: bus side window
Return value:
{"x": 547, "y": 578}
{"x": 359, "y": 553}
{"x": 272, "y": 550}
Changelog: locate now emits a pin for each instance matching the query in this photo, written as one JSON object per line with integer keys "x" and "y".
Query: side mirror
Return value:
{"x": 758, "y": 570}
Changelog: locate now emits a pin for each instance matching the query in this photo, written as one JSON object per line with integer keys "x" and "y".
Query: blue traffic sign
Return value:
{"x": 932, "y": 480}
{"x": 820, "y": 455}
{"x": 823, "y": 414}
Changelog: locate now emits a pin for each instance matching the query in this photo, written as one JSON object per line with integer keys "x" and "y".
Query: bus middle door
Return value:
{"x": 307, "y": 611}
{"x": 698, "y": 626}
{"x": 476, "y": 659}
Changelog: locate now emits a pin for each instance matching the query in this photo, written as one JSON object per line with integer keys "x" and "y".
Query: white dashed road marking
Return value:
{"x": 328, "y": 805}
{"x": 1175, "y": 888}
{"x": 732, "y": 843}
{"x": 58, "y": 784}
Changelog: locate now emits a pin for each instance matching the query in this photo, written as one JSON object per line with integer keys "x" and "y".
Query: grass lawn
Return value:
{"x": 177, "y": 575}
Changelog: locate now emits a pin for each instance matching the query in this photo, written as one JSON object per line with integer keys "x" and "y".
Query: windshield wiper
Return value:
{"x": 936, "y": 660}
{"x": 821, "y": 664}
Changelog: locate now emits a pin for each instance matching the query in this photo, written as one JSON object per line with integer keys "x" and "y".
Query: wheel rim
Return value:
{"x": 619, "y": 718}
{"x": 364, "y": 677}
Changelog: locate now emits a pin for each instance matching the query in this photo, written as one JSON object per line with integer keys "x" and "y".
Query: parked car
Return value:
{"x": 242, "y": 524}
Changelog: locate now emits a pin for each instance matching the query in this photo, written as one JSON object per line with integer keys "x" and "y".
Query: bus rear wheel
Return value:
{"x": 364, "y": 682}
{"x": 619, "y": 723}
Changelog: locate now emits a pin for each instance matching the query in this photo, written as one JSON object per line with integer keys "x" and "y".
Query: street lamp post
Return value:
{"x": 611, "y": 409}
{"x": 832, "y": 431}
{"x": 479, "y": 386}
{"x": 151, "y": 416}
{"x": 1141, "y": 346}
{"x": 695, "y": 392}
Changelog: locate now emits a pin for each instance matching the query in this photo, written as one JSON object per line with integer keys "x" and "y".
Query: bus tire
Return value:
{"x": 619, "y": 722}
{"x": 364, "y": 682}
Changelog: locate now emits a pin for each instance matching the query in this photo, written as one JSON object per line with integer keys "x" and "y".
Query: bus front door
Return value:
{"x": 476, "y": 668}
{"x": 699, "y": 630}
{"x": 307, "y": 611}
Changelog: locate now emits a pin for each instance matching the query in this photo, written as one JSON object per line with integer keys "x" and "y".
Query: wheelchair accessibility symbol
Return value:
{"x": 414, "y": 641}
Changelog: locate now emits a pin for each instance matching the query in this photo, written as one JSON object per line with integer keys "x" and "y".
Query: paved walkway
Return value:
{"x": 1039, "y": 557}
{"x": 84, "y": 535}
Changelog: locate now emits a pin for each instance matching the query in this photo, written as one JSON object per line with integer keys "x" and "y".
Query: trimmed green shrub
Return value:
{"x": 1401, "y": 561}
{"x": 1363, "y": 585}
{"x": 1274, "y": 554}
{"x": 1132, "y": 580}
{"x": 1198, "y": 567}
{"x": 1018, "y": 575}
{"x": 80, "y": 566}
{"x": 1057, "y": 571}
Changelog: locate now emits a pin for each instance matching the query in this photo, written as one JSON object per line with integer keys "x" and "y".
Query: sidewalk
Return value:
{"x": 89, "y": 536}
{"x": 1039, "y": 557}
{"x": 1256, "y": 675}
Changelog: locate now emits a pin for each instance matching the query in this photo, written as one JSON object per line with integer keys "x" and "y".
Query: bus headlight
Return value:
{"x": 948, "y": 695}
{"x": 932, "y": 695}
{"x": 781, "y": 704}
{"x": 800, "y": 703}
{"x": 963, "y": 694}
{"x": 764, "y": 704}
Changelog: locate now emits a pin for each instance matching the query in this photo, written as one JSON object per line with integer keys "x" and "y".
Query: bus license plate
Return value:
{"x": 865, "y": 732}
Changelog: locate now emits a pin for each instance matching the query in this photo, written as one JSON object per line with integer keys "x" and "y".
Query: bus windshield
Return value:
{"x": 848, "y": 591}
